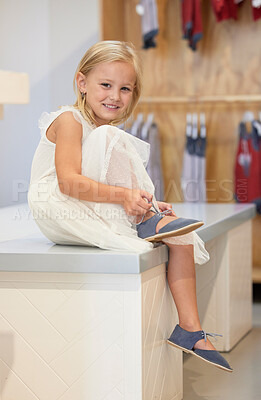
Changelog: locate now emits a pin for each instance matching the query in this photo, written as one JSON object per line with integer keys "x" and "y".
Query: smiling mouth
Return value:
{"x": 111, "y": 106}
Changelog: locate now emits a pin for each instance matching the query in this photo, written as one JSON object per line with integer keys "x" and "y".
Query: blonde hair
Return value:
{"x": 104, "y": 52}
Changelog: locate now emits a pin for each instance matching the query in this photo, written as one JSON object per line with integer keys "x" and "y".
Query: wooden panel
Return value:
{"x": 132, "y": 22}
{"x": 227, "y": 60}
{"x": 111, "y": 19}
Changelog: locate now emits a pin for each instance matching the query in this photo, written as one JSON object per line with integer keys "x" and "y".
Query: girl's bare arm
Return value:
{"x": 68, "y": 160}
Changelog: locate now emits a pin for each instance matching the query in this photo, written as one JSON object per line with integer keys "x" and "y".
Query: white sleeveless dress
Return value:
{"x": 110, "y": 156}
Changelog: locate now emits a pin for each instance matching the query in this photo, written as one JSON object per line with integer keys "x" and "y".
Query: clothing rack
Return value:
{"x": 255, "y": 98}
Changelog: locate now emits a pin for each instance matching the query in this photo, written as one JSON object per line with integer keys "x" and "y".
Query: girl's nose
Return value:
{"x": 115, "y": 95}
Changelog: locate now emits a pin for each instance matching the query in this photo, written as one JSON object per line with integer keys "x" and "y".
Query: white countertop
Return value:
{"x": 24, "y": 248}
{"x": 218, "y": 217}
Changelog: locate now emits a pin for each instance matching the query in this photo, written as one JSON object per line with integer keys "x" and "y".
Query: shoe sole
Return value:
{"x": 194, "y": 354}
{"x": 178, "y": 232}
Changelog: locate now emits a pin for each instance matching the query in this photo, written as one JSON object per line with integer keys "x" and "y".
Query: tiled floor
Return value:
{"x": 204, "y": 382}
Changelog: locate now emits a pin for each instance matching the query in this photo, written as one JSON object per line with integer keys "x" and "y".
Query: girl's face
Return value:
{"x": 109, "y": 90}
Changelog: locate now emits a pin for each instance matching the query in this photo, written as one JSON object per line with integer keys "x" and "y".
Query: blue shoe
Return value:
{"x": 180, "y": 226}
{"x": 186, "y": 340}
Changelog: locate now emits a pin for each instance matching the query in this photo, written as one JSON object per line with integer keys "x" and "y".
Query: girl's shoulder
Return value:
{"x": 65, "y": 113}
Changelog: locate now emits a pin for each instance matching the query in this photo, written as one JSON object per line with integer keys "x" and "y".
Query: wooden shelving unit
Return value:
{"x": 217, "y": 99}
{"x": 178, "y": 81}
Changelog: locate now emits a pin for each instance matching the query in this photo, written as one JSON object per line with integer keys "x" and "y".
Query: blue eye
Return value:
{"x": 125, "y": 89}
{"x": 107, "y": 85}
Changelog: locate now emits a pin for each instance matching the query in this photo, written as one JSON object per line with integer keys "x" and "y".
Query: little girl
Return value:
{"x": 89, "y": 185}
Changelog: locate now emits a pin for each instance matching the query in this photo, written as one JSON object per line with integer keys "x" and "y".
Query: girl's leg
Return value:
{"x": 182, "y": 282}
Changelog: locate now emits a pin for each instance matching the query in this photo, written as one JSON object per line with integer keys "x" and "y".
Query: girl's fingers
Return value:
{"x": 164, "y": 206}
{"x": 141, "y": 207}
{"x": 145, "y": 205}
{"x": 146, "y": 195}
{"x": 168, "y": 206}
{"x": 139, "y": 204}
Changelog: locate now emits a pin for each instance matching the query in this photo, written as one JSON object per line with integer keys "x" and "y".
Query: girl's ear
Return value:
{"x": 81, "y": 82}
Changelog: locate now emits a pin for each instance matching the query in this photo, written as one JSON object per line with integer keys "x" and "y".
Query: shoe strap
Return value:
{"x": 214, "y": 335}
{"x": 204, "y": 335}
{"x": 153, "y": 209}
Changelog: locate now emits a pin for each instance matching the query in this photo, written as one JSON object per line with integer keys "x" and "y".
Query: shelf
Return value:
{"x": 201, "y": 99}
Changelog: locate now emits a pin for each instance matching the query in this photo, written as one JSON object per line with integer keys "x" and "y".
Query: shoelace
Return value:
{"x": 153, "y": 209}
{"x": 205, "y": 334}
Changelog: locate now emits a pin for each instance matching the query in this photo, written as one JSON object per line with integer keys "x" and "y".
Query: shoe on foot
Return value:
{"x": 180, "y": 226}
{"x": 186, "y": 340}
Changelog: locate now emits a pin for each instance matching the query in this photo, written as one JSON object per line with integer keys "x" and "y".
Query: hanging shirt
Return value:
{"x": 200, "y": 151}
{"x": 149, "y": 23}
{"x": 148, "y": 132}
{"x": 224, "y": 9}
{"x": 154, "y": 167}
{"x": 256, "y": 3}
{"x": 256, "y": 13}
{"x": 191, "y": 22}
{"x": 189, "y": 176}
{"x": 248, "y": 166}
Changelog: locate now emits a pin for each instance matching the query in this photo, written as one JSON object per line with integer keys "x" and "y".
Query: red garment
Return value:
{"x": 224, "y": 9}
{"x": 248, "y": 167}
{"x": 218, "y": 5}
{"x": 187, "y": 12}
{"x": 256, "y": 13}
{"x": 192, "y": 22}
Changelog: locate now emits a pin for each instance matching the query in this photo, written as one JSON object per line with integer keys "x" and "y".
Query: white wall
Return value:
{"x": 46, "y": 39}
{"x": 24, "y": 47}
{"x": 74, "y": 28}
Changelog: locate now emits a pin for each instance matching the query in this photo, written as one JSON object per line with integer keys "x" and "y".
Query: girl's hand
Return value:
{"x": 165, "y": 206}
{"x": 137, "y": 202}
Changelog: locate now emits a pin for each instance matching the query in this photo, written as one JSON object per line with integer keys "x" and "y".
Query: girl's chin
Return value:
{"x": 105, "y": 118}
{"x": 110, "y": 115}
